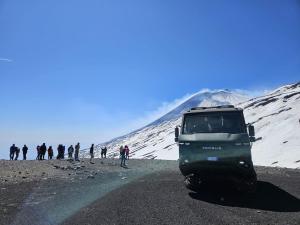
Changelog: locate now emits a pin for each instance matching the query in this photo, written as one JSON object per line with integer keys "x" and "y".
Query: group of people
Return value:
{"x": 42, "y": 150}
{"x": 61, "y": 152}
{"x": 15, "y": 151}
{"x": 124, "y": 154}
{"x": 103, "y": 152}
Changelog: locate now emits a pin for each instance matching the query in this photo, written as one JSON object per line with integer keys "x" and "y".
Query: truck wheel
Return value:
{"x": 251, "y": 187}
{"x": 248, "y": 187}
{"x": 192, "y": 182}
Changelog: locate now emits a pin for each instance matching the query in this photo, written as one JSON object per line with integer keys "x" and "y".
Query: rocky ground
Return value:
{"x": 14, "y": 172}
{"x": 145, "y": 192}
{"x": 48, "y": 192}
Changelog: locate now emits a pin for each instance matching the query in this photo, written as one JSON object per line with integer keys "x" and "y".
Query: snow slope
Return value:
{"x": 275, "y": 117}
{"x": 156, "y": 140}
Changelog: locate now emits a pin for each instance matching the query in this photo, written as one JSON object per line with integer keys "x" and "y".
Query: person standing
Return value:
{"x": 59, "y": 151}
{"x": 17, "y": 153}
{"x": 24, "y": 150}
{"x": 105, "y": 151}
{"x": 38, "y": 151}
{"x": 50, "y": 153}
{"x": 43, "y": 151}
{"x": 70, "y": 152}
{"x": 122, "y": 156}
{"x": 77, "y": 148}
{"x": 57, "y": 157}
{"x": 12, "y": 151}
{"x": 63, "y": 149}
{"x": 127, "y": 152}
{"x": 92, "y": 152}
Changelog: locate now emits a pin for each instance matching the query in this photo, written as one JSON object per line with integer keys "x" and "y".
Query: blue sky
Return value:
{"x": 92, "y": 70}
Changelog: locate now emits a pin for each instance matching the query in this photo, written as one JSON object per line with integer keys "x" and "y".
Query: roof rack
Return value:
{"x": 213, "y": 107}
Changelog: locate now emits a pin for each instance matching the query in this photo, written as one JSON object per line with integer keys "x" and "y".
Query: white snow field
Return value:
{"x": 275, "y": 117}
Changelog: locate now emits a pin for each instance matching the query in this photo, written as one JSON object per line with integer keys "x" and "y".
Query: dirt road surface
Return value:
{"x": 147, "y": 192}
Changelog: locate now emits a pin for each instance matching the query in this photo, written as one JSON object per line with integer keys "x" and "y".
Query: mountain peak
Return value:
{"x": 204, "y": 98}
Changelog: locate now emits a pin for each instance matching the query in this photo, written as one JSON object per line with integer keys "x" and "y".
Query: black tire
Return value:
{"x": 192, "y": 183}
{"x": 251, "y": 186}
{"x": 248, "y": 186}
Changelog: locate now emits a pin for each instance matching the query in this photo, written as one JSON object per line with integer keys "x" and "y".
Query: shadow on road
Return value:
{"x": 267, "y": 197}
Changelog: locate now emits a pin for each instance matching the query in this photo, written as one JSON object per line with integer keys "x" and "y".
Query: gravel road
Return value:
{"x": 147, "y": 192}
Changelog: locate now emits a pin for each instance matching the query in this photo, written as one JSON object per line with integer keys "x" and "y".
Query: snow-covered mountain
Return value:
{"x": 203, "y": 98}
{"x": 275, "y": 117}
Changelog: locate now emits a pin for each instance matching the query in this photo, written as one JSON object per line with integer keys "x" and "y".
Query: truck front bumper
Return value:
{"x": 219, "y": 170}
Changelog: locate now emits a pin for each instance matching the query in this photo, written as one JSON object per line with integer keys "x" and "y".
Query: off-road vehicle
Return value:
{"x": 215, "y": 145}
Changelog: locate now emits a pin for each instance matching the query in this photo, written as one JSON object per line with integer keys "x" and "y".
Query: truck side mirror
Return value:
{"x": 176, "y": 134}
{"x": 252, "y": 139}
{"x": 251, "y": 131}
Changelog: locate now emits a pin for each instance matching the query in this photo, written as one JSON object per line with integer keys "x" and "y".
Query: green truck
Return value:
{"x": 215, "y": 145}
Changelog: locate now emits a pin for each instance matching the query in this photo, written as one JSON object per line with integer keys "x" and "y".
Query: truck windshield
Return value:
{"x": 214, "y": 122}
